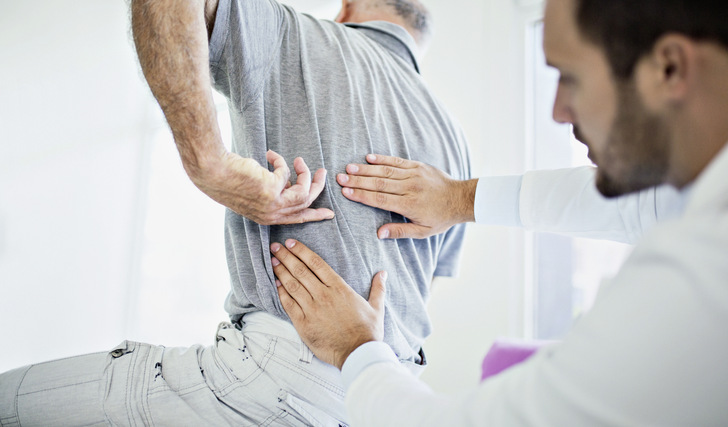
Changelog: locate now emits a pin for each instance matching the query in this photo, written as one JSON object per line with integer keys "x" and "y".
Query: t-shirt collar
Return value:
{"x": 391, "y": 36}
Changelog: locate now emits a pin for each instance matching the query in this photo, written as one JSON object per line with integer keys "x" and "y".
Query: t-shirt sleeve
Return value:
{"x": 245, "y": 43}
{"x": 448, "y": 262}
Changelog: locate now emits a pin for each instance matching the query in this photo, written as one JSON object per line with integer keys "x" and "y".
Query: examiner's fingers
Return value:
{"x": 314, "y": 262}
{"x": 378, "y": 159}
{"x": 404, "y": 230}
{"x": 382, "y": 185}
{"x": 377, "y": 171}
{"x": 294, "y": 275}
{"x": 388, "y": 202}
{"x": 378, "y": 291}
{"x": 295, "y": 312}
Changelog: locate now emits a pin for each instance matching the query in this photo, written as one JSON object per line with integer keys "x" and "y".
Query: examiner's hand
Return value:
{"x": 265, "y": 197}
{"x": 331, "y": 318}
{"x": 428, "y": 197}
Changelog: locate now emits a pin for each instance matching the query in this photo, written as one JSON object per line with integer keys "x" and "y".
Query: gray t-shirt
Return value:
{"x": 332, "y": 93}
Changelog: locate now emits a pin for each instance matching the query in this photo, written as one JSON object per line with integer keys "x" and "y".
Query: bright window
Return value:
{"x": 565, "y": 273}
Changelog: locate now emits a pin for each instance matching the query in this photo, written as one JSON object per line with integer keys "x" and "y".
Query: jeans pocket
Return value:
{"x": 308, "y": 412}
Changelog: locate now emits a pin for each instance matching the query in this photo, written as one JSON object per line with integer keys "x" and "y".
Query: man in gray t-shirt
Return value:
{"x": 297, "y": 86}
{"x": 332, "y": 93}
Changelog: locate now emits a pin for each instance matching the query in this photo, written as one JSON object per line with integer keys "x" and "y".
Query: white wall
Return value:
{"x": 76, "y": 149}
{"x": 476, "y": 66}
{"x": 72, "y": 126}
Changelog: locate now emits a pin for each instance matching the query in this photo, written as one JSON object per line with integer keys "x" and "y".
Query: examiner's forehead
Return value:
{"x": 560, "y": 37}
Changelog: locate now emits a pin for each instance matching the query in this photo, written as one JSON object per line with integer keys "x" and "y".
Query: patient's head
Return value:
{"x": 410, "y": 14}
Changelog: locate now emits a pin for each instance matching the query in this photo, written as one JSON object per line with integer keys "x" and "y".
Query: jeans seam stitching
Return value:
{"x": 146, "y": 376}
{"x": 147, "y": 382}
{"x": 129, "y": 374}
{"x": 52, "y": 388}
{"x": 312, "y": 377}
{"x": 17, "y": 394}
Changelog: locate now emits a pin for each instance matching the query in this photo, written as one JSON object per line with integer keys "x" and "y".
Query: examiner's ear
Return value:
{"x": 674, "y": 56}
{"x": 344, "y": 13}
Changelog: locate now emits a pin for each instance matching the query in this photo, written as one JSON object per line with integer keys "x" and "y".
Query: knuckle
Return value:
{"x": 267, "y": 197}
{"x": 380, "y": 199}
{"x": 295, "y": 196}
{"x": 399, "y": 161}
{"x": 298, "y": 270}
{"x": 380, "y": 184}
{"x": 292, "y": 286}
{"x": 388, "y": 171}
{"x": 414, "y": 187}
{"x": 317, "y": 262}
{"x": 288, "y": 305}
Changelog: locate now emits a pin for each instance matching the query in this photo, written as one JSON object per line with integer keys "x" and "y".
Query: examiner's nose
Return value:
{"x": 562, "y": 111}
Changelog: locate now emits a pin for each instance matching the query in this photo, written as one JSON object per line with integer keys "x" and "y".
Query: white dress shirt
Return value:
{"x": 653, "y": 349}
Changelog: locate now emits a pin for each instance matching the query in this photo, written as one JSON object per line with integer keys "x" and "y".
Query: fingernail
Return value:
{"x": 343, "y": 178}
{"x": 352, "y": 168}
{"x": 278, "y": 283}
{"x": 384, "y": 234}
{"x": 275, "y": 247}
{"x": 347, "y": 191}
{"x": 384, "y": 276}
{"x": 290, "y": 243}
{"x": 275, "y": 262}
{"x": 371, "y": 157}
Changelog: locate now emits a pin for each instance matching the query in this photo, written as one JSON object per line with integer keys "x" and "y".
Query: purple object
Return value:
{"x": 505, "y": 353}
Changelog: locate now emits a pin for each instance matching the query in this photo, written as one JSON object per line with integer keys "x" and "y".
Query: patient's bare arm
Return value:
{"x": 428, "y": 197}
{"x": 171, "y": 38}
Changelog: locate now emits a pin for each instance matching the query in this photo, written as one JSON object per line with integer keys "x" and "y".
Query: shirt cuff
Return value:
{"x": 497, "y": 201}
{"x": 364, "y": 356}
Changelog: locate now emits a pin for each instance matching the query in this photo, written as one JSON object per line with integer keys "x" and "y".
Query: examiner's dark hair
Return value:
{"x": 628, "y": 29}
{"x": 414, "y": 14}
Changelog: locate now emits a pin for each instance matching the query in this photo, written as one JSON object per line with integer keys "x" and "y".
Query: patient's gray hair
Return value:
{"x": 414, "y": 14}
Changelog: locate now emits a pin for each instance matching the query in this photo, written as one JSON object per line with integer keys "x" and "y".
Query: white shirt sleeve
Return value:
{"x": 365, "y": 355}
{"x": 650, "y": 352}
{"x": 566, "y": 201}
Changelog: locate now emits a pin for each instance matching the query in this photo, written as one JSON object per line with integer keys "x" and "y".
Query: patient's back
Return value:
{"x": 332, "y": 94}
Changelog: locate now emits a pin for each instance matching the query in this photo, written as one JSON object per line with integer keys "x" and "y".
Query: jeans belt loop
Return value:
{"x": 306, "y": 355}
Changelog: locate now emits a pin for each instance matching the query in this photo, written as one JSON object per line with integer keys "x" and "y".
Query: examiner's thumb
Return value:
{"x": 402, "y": 231}
{"x": 378, "y": 291}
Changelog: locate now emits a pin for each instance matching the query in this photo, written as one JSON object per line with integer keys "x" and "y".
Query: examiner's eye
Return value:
{"x": 566, "y": 79}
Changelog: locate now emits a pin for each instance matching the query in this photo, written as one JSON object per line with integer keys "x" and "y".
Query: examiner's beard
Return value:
{"x": 648, "y": 174}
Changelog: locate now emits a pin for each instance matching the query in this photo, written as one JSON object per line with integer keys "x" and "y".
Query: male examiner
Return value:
{"x": 296, "y": 86}
{"x": 645, "y": 84}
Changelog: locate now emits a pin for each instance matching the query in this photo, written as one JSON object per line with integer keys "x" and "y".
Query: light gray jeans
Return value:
{"x": 260, "y": 375}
